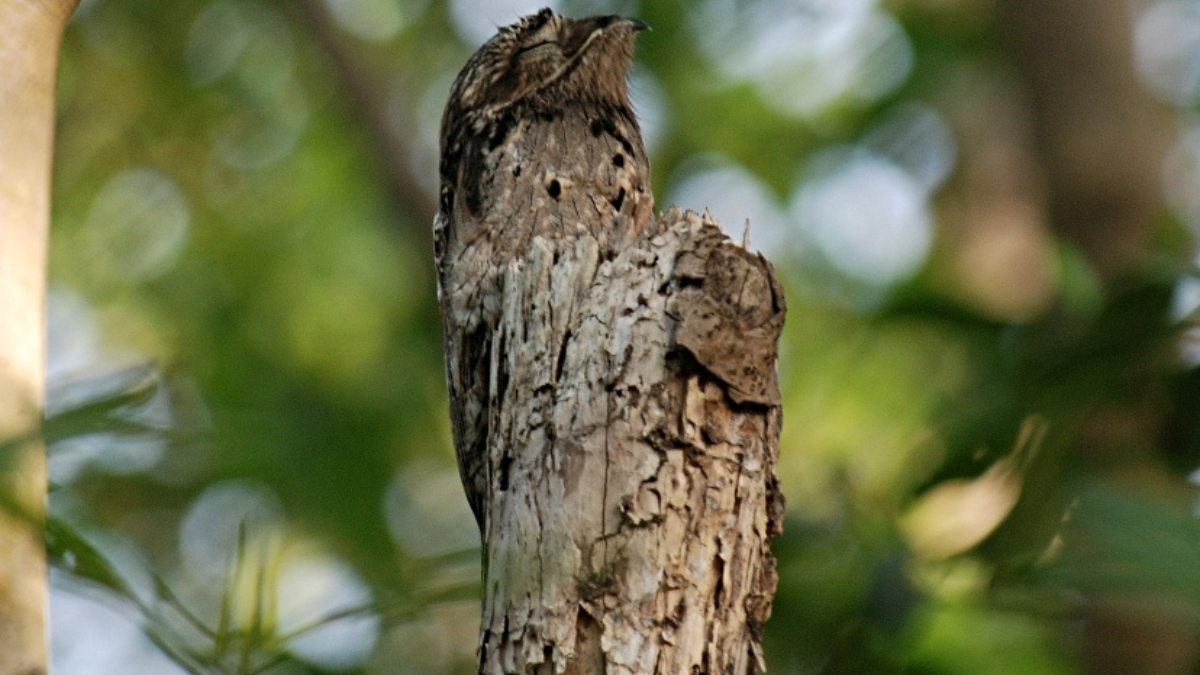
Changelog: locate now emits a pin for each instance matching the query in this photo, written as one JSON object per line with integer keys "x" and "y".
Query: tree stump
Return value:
{"x": 634, "y": 443}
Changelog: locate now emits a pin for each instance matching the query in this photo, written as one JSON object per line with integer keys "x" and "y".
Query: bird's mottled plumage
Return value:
{"x": 538, "y": 140}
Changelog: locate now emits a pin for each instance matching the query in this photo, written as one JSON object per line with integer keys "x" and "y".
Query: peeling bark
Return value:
{"x": 632, "y": 451}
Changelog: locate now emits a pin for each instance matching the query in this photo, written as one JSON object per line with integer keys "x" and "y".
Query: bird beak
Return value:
{"x": 637, "y": 24}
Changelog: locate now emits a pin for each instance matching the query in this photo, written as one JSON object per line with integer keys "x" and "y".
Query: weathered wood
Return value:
{"x": 635, "y": 441}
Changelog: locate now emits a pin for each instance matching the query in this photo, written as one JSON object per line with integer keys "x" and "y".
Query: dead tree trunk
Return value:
{"x": 630, "y": 534}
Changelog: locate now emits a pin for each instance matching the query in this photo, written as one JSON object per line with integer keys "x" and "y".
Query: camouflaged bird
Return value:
{"x": 538, "y": 140}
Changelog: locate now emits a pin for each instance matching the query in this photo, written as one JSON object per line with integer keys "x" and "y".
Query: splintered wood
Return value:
{"x": 633, "y": 437}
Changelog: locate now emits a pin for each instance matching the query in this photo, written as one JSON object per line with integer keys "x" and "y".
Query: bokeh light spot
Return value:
{"x": 732, "y": 195}
{"x": 374, "y": 20}
{"x": 216, "y": 41}
{"x": 315, "y": 587}
{"x": 256, "y": 138}
{"x": 1185, "y": 305}
{"x": 806, "y": 56}
{"x": 73, "y": 338}
{"x": 90, "y": 637}
{"x": 270, "y": 56}
{"x": 1181, "y": 176}
{"x": 915, "y": 137}
{"x": 209, "y": 532}
{"x": 1166, "y": 43}
{"x": 868, "y": 216}
{"x": 138, "y": 224}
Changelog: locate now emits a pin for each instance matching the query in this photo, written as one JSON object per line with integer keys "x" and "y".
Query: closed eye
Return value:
{"x": 534, "y": 46}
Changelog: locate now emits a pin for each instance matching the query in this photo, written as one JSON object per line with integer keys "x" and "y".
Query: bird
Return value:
{"x": 538, "y": 139}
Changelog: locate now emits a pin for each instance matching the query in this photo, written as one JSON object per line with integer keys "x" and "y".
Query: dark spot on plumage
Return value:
{"x": 618, "y": 200}
{"x": 471, "y": 177}
{"x": 467, "y": 163}
{"x": 554, "y": 188}
{"x": 502, "y": 126}
{"x": 624, "y": 143}
{"x": 619, "y": 160}
{"x": 606, "y": 124}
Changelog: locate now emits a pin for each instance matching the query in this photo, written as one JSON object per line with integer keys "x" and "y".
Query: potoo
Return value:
{"x": 538, "y": 140}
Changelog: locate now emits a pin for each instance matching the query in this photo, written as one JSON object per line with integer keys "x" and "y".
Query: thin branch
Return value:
{"x": 366, "y": 98}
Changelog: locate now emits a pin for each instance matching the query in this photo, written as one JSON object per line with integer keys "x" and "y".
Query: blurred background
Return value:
{"x": 983, "y": 212}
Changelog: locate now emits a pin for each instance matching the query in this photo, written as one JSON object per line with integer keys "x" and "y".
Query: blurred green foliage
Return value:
{"x": 243, "y": 194}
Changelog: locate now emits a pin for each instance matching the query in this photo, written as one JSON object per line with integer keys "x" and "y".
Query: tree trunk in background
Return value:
{"x": 1102, "y": 141}
{"x": 1102, "y": 137}
{"x": 631, "y": 533}
{"x": 30, "y": 33}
